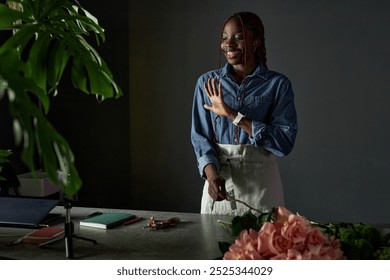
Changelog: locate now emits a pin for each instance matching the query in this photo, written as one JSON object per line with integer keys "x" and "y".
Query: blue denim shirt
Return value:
{"x": 265, "y": 97}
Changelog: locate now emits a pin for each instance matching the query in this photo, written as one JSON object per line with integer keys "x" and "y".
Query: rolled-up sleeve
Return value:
{"x": 279, "y": 132}
{"x": 202, "y": 133}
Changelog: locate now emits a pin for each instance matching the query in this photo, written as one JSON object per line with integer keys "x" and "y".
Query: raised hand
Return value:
{"x": 214, "y": 92}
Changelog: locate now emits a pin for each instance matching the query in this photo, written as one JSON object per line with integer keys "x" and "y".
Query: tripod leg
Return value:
{"x": 68, "y": 227}
{"x": 85, "y": 238}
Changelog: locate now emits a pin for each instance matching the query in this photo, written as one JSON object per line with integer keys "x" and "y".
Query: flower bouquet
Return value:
{"x": 282, "y": 235}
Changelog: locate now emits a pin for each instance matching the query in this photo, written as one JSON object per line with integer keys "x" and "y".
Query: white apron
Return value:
{"x": 252, "y": 175}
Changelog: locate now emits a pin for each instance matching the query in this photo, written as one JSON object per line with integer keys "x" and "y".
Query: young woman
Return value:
{"x": 243, "y": 117}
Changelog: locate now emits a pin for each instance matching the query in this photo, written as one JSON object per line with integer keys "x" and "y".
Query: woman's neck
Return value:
{"x": 239, "y": 73}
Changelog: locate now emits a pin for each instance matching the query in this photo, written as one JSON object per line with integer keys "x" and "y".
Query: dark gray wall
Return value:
{"x": 336, "y": 54}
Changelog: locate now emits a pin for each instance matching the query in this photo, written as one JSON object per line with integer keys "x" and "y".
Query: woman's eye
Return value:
{"x": 236, "y": 38}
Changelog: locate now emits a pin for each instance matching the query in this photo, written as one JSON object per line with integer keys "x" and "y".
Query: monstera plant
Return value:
{"x": 43, "y": 38}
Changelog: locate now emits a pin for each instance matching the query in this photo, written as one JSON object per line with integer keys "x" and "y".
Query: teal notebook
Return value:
{"x": 107, "y": 220}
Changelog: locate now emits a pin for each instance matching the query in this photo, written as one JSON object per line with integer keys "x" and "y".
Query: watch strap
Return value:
{"x": 238, "y": 119}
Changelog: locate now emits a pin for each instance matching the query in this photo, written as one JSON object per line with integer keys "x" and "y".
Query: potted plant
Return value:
{"x": 45, "y": 38}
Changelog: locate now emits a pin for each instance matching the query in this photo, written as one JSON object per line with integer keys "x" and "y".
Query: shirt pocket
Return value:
{"x": 258, "y": 106}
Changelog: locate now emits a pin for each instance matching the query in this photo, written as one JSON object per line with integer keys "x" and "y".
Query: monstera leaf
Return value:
{"x": 44, "y": 38}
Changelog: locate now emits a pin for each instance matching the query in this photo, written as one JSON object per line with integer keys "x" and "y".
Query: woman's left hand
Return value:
{"x": 214, "y": 92}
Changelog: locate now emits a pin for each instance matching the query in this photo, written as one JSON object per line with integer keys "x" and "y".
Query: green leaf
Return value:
{"x": 22, "y": 109}
{"x": 19, "y": 40}
{"x": 79, "y": 76}
{"x": 58, "y": 59}
{"x": 16, "y": 80}
{"x": 244, "y": 222}
{"x": 46, "y": 8}
{"x": 4, "y": 154}
{"x": 99, "y": 83}
{"x": 37, "y": 59}
{"x": 265, "y": 217}
{"x": 44, "y": 136}
{"x": 10, "y": 60}
{"x": 52, "y": 148}
{"x": 79, "y": 24}
{"x": 88, "y": 52}
{"x": 3, "y": 159}
{"x": 8, "y": 17}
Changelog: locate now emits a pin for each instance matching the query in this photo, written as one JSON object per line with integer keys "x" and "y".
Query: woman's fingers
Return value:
{"x": 207, "y": 89}
{"x": 211, "y": 87}
{"x": 217, "y": 189}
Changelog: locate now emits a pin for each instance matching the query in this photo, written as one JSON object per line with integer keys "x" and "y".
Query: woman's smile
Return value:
{"x": 232, "y": 54}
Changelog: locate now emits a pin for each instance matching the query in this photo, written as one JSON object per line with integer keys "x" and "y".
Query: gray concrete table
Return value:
{"x": 195, "y": 238}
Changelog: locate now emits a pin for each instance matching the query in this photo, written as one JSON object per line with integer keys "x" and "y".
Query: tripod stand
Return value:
{"x": 69, "y": 231}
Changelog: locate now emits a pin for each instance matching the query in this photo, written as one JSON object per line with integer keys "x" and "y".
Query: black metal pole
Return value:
{"x": 68, "y": 228}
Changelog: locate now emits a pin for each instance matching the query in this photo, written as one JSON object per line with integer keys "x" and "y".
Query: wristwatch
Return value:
{"x": 238, "y": 119}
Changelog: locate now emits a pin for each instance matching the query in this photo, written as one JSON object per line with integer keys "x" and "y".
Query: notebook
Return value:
{"x": 107, "y": 220}
{"x": 24, "y": 212}
{"x": 42, "y": 235}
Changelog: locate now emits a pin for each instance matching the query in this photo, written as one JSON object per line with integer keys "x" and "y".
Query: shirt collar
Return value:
{"x": 260, "y": 71}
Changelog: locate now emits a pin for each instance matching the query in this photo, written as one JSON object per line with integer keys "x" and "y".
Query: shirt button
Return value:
{"x": 238, "y": 98}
